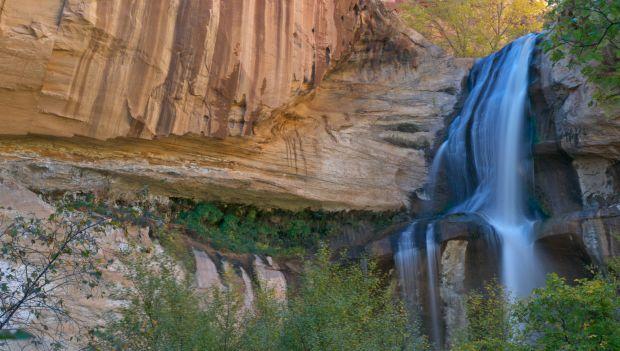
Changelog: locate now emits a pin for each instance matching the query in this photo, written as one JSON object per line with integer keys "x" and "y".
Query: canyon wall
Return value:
{"x": 300, "y": 103}
{"x": 141, "y": 68}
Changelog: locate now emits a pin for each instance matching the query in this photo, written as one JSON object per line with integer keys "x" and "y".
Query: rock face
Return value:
{"x": 153, "y": 68}
{"x": 270, "y": 277}
{"x": 579, "y": 139}
{"x": 247, "y": 274}
{"x": 207, "y": 276}
{"x": 452, "y": 287}
{"x": 300, "y": 103}
{"x": 16, "y": 200}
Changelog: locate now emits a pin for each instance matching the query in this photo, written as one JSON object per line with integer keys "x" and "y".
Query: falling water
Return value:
{"x": 431, "y": 263}
{"x": 487, "y": 161}
{"x": 410, "y": 265}
{"x": 407, "y": 263}
{"x": 489, "y": 158}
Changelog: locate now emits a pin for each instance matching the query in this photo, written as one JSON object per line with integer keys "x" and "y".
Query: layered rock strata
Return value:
{"x": 154, "y": 68}
{"x": 291, "y": 103}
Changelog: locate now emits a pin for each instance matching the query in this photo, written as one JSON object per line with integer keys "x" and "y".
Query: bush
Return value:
{"x": 165, "y": 314}
{"x": 489, "y": 326}
{"x": 344, "y": 307}
{"x": 338, "y": 307}
{"x": 585, "y": 316}
{"x": 558, "y": 316}
{"x": 247, "y": 229}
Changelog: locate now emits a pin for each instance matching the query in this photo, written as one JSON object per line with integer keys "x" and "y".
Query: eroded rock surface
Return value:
{"x": 270, "y": 277}
{"x": 153, "y": 68}
{"x": 300, "y": 103}
{"x": 17, "y": 200}
{"x": 577, "y": 161}
{"x": 452, "y": 287}
{"x": 207, "y": 276}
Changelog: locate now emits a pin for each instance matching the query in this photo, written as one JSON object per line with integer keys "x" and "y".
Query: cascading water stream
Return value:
{"x": 431, "y": 263}
{"x": 487, "y": 161}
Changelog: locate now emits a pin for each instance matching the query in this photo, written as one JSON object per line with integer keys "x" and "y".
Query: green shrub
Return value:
{"x": 338, "y": 307}
{"x": 489, "y": 323}
{"x": 582, "y": 317}
{"x": 344, "y": 307}
{"x": 167, "y": 314}
{"x": 264, "y": 325}
{"x": 247, "y": 229}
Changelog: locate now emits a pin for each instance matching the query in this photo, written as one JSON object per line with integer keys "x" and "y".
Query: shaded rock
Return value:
{"x": 556, "y": 183}
{"x": 270, "y": 277}
{"x": 382, "y": 249}
{"x": 596, "y": 231}
{"x": 462, "y": 226}
{"x": 582, "y": 127}
{"x": 248, "y": 292}
{"x": 15, "y": 199}
{"x": 207, "y": 275}
{"x": 236, "y": 278}
{"x": 599, "y": 181}
{"x": 452, "y": 287}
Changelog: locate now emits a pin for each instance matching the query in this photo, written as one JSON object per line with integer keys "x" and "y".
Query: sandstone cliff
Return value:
{"x": 322, "y": 103}
{"x": 292, "y": 103}
{"x": 153, "y": 68}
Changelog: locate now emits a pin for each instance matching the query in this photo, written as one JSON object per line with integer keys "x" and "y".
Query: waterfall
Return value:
{"x": 431, "y": 263}
{"x": 488, "y": 166}
{"x": 407, "y": 264}
{"x": 412, "y": 269}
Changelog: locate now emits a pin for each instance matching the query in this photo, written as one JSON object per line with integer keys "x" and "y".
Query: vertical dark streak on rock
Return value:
{"x": 290, "y": 28}
{"x": 58, "y": 18}
{"x": 301, "y": 152}
{"x": 140, "y": 74}
{"x": 187, "y": 50}
{"x": 84, "y": 67}
{"x": 259, "y": 42}
{"x": 223, "y": 82}
{"x": 99, "y": 106}
{"x": 279, "y": 15}
{"x": 1, "y": 9}
{"x": 168, "y": 113}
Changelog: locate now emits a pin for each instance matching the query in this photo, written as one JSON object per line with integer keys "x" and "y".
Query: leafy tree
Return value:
{"x": 264, "y": 324}
{"x": 474, "y": 28}
{"x": 490, "y": 325}
{"x": 166, "y": 313}
{"x": 38, "y": 260}
{"x": 344, "y": 307}
{"x": 587, "y": 32}
{"x": 338, "y": 307}
{"x": 580, "y": 317}
{"x": 583, "y": 317}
